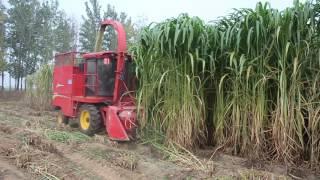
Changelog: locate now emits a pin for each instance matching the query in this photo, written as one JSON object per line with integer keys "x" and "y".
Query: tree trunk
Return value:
{"x": 10, "y": 82}
{"x": 19, "y": 73}
{"x": 17, "y": 83}
{"x": 2, "y": 81}
{"x": 25, "y": 84}
{"x": 1, "y": 85}
{"x": 21, "y": 84}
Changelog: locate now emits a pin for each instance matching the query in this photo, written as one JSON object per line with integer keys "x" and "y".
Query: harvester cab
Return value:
{"x": 94, "y": 90}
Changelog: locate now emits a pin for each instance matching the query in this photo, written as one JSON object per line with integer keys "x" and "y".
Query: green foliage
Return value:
{"x": 264, "y": 80}
{"x": 21, "y": 33}
{"x": 110, "y": 41}
{"x": 35, "y": 30}
{"x": 3, "y": 63}
{"x": 91, "y": 25}
{"x": 251, "y": 77}
{"x": 170, "y": 61}
{"x": 65, "y": 33}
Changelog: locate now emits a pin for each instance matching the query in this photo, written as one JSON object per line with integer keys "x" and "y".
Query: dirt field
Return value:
{"x": 32, "y": 146}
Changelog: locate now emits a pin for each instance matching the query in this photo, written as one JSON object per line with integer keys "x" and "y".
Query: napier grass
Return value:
{"x": 39, "y": 88}
{"x": 248, "y": 82}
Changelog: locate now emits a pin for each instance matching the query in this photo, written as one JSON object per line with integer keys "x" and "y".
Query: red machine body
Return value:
{"x": 101, "y": 80}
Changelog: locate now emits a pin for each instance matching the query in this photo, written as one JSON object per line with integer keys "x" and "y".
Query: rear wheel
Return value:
{"x": 62, "y": 119}
{"x": 89, "y": 118}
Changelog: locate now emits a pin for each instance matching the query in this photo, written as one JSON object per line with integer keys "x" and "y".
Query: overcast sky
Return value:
{"x": 157, "y": 10}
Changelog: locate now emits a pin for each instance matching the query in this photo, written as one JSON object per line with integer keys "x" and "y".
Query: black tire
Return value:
{"x": 93, "y": 121}
{"x": 73, "y": 123}
{"x": 62, "y": 119}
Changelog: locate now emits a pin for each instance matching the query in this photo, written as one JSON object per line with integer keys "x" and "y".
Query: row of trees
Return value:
{"x": 32, "y": 31}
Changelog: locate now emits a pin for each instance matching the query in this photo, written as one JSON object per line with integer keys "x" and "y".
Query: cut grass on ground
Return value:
{"x": 66, "y": 137}
{"x": 118, "y": 158}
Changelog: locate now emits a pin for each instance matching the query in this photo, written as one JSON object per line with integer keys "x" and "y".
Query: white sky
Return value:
{"x": 157, "y": 10}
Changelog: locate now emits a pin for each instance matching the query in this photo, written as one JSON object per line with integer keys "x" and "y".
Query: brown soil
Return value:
{"x": 32, "y": 146}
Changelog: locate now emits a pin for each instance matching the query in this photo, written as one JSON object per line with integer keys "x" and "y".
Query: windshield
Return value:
{"x": 100, "y": 77}
{"x": 106, "y": 77}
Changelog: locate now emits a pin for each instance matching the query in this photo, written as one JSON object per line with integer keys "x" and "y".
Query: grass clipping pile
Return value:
{"x": 248, "y": 82}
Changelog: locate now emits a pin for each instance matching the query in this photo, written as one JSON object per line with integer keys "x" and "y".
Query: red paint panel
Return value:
{"x": 113, "y": 124}
{"x": 78, "y": 85}
{"x": 63, "y": 80}
{"x": 65, "y": 103}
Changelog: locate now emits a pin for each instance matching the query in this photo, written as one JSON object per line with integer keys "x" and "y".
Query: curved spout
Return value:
{"x": 121, "y": 35}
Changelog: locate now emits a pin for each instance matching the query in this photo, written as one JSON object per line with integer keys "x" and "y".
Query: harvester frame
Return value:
{"x": 96, "y": 88}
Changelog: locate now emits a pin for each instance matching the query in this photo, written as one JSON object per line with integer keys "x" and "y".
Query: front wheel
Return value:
{"x": 89, "y": 118}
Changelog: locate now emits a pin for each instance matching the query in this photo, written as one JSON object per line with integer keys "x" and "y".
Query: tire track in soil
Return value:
{"x": 8, "y": 127}
{"x": 18, "y": 116}
{"x": 20, "y": 158}
{"x": 105, "y": 171}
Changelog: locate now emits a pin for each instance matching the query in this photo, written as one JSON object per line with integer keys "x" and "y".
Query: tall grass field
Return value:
{"x": 248, "y": 82}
